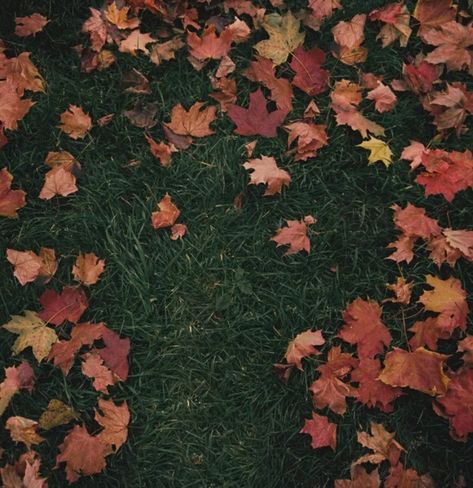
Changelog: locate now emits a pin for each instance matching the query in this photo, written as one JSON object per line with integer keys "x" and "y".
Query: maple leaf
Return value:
{"x": 83, "y": 454}
{"x": 119, "y": 17}
{"x": 310, "y": 138}
{"x": 379, "y": 151}
{"x": 402, "y": 291}
{"x": 420, "y": 370}
{"x": 135, "y": 82}
{"x": 426, "y": 333}
{"x": 165, "y": 51}
{"x": 446, "y": 173}
{"x": 226, "y": 92}
{"x": 93, "y": 367}
{"x": 448, "y": 299}
{"x": 284, "y": 38}
{"x": 96, "y": 28}
{"x": 457, "y": 403}
{"x": 413, "y": 152}
{"x": 349, "y": 35}
{"x": 322, "y": 432}
{"x": 396, "y": 18}
{"x": 24, "y": 473}
{"x": 420, "y": 76}
{"x": 23, "y": 430}
{"x": 115, "y": 353}
{"x": 194, "y": 122}
{"x": 266, "y": 171}
{"x": 414, "y": 222}
{"x": 363, "y": 326}
{"x": 63, "y": 352}
{"x": 114, "y": 419}
{"x": 16, "y": 378}
{"x": 382, "y": 443}
{"x": 136, "y": 41}
{"x": 404, "y": 246}
{"x": 29, "y": 267}
{"x": 88, "y": 268}
{"x": 178, "y": 231}
{"x": 466, "y": 347}
{"x": 383, "y": 97}
{"x": 371, "y": 391}
{"x": 22, "y": 74}
{"x": 452, "y": 40}
{"x": 31, "y": 25}
{"x": 294, "y": 235}
{"x": 167, "y": 214}
{"x": 61, "y": 179}
{"x": 360, "y": 478}
{"x": 210, "y": 46}
{"x": 329, "y": 390}
{"x": 32, "y": 332}
{"x": 400, "y": 477}
{"x": 310, "y": 77}
{"x": 12, "y": 107}
{"x": 302, "y": 346}
{"x": 256, "y": 120}
{"x": 262, "y": 71}
{"x": 161, "y": 151}
{"x": 75, "y": 122}
{"x": 142, "y": 115}
{"x": 10, "y": 200}
{"x": 433, "y": 13}
{"x": 57, "y": 413}
{"x": 68, "y": 305}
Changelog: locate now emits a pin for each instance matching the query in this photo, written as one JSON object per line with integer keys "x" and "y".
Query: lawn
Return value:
{"x": 208, "y": 315}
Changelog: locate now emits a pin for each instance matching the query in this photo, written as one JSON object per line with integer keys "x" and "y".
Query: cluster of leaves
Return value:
{"x": 283, "y": 69}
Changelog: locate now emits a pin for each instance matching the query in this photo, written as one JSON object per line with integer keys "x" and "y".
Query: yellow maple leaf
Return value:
{"x": 284, "y": 37}
{"x": 32, "y": 331}
{"x": 379, "y": 151}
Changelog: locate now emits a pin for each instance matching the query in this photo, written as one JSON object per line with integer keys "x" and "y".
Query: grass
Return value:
{"x": 209, "y": 315}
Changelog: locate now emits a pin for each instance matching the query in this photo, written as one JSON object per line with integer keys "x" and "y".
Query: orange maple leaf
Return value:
{"x": 31, "y": 25}
{"x": 10, "y": 200}
{"x": 294, "y": 235}
{"x": 167, "y": 214}
{"x": 302, "y": 346}
{"x": 266, "y": 171}
{"x": 322, "y": 432}
{"x": 75, "y": 122}
{"x": 194, "y": 122}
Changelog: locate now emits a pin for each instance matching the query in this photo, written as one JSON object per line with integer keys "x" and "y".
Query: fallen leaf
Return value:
{"x": 88, "y": 268}
{"x": 136, "y": 41}
{"x": 166, "y": 215}
{"x": 115, "y": 353}
{"x": 83, "y": 454}
{"x": 349, "y": 35}
{"x": 135, "y": 82}
{"x": 56, "y": 414}
{"x": 29, "y": 267}
{"x": 12, "y": 107}
{"x": 310, "y": 138}
{"x": 402, "y": 290}
{"x": 382, "y": 443}
{"x": 16, "y": 378}
{"x": 256, "y": 120}
{"x": 178, "y": 231}
{"x": 32, "y": 332}
{"x": 284, "y": 37}
{"x": 194, "y": 122}
{"x": 360, "y": 478}
{"x": 209, "y": 46}
{"x": 23, "y": 430}
{"x": 165, "y": 51}
{"x": 433, "y": 13}
{"x": 114, "y": 419}
{"x": 142, "y": 115}
{"x": 10, "y": 200}
{"x": 421, "y": 370}
{"x": 322, "y": 432}
{"x": 400, "y": 477}
{"x": 119, "y": 17}
{"x": 63, "y": 352}
{"x": 329, "y": 390}
{"x": 302, "y": 346}
{"x": 396, "y": 23}
{"x": 75, "y": 122}
{"x": 310, "y": 77}
{"x": 294, "y": 235}
{"x": 364, "y": 328}
{"x": 30, "y": 25}
{"x": 93, "y": 367}
{"x": 161, "y": 151}
{"x": 68, "y": 305}
{"x": 379, "y": 151}
{"x": 266, "y": 171}
{"x": 448, "y": 299}
{"x": 384, "y": 98}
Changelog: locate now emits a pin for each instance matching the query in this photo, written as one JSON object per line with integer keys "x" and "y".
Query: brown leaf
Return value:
{"x": 93, "y": 367}
{"x": 56, "y": 414}
{"x": 23, "y": 430}
{"x": 167, "y": 214}
{"x": 29, "y": 267}
{"x": 88, "y": 268}
{"x": 136, "y": 41}
{"x": 12, "y": 107}
{"x": 161, "y": 151}
{"x": 75, "y": 122}
{"x": 294, "y": 235}
{"x": 114, "y": 419}
{"x": 266, "y": 171}
{"x": 194, "y": 122}
{"x": 322, "y": 432}
{"x": 31, "y": 25}
{"x": 10, "y": 200}
{"x": 142, "y": 115}
{"x": 302, "y": 346}
{"x": 135, "y": 82}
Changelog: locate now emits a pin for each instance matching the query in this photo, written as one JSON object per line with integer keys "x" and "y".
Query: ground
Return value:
{"x": 210, "y": 314}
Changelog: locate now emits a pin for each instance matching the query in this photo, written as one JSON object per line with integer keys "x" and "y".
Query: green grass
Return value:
{"x": 209, "y": 315}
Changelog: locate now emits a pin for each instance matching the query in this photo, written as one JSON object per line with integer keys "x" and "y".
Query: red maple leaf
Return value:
{"x": 68, "y": 305}
{"x": 322, "y": 432}
{"x": 310, "y": 76}
{"x": 256, "y": 120}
